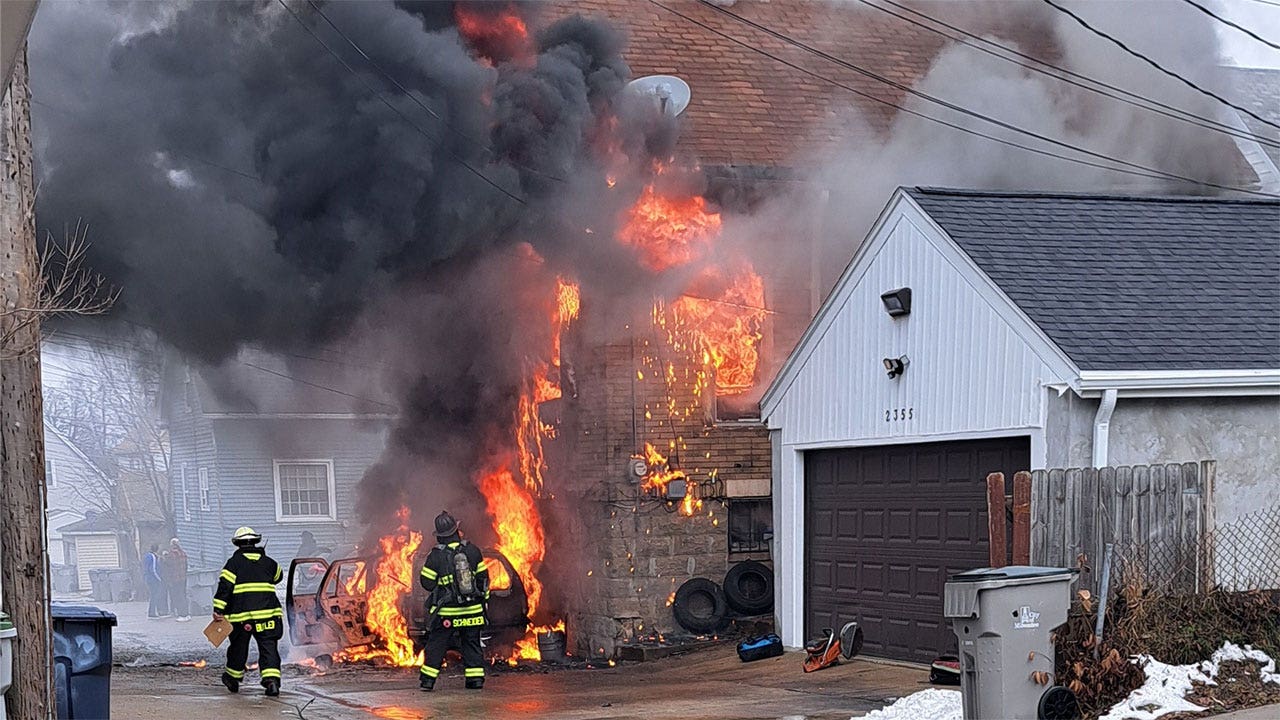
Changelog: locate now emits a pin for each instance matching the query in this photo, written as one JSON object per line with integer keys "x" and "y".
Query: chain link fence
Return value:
{"x": 1238, "y": 556}
{"x": 1178, "y": 602}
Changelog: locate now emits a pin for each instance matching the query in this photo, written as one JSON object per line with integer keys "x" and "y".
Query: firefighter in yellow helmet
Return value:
{"x": 246, "y": 598}
{"x": 456, "y": 575}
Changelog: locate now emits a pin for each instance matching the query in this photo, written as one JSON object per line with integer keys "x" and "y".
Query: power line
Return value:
{"x": 1072, "y": 77}
{"x": 1229, "y": 23}
{"x": 900, "y": 108}
{"x": 1145, "y": 170}
{"x": 1209, "y": 93}
{"x": 479, "y": 143}
{"x": 315, "y": 385}
{"x": 396, "y": 110}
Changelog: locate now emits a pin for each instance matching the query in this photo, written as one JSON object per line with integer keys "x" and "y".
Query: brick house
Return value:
{"x": 747, "y": 121}
{"x": 751, "y": 124}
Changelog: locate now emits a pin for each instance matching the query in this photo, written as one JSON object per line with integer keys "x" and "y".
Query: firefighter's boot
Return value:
{"x": 272, "y": 687}
{"x": 475, "y": 683}
{"x": 233, "y": 685}
{"x": 426, "y": 684}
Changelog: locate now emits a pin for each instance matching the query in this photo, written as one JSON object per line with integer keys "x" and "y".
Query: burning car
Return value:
{"x": 327, "y": 603}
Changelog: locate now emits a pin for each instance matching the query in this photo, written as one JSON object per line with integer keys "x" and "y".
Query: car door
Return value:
{"x": 307, "y": 624}
{"x": 344, "y": 600}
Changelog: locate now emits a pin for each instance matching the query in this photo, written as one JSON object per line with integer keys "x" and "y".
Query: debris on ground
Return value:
{"x": 931, "y": 704}
{"x": 1174, "y": 689}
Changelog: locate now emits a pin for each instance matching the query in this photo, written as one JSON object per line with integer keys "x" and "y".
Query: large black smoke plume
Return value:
{"x": 252, "y": 180}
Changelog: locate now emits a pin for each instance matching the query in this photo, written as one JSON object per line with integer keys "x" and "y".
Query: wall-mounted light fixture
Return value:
{"x": 896, "y": 366}
{"x": 897, "y": 302}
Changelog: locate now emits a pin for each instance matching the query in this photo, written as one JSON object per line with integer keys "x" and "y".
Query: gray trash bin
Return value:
{"x": 1002, "y": 618}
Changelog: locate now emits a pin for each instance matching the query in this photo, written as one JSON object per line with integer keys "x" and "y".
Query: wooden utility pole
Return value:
{"x": 24, "y": 562}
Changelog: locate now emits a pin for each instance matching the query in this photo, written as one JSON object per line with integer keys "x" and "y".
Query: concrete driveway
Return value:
{"x": 710, "y": 683}
{"x": 148, "y": 683}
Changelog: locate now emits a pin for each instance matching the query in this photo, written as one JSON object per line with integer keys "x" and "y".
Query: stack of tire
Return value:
{"x": 703, "y": 606}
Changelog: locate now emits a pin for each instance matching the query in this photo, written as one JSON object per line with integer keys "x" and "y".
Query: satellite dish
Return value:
{"x": 671, "y": 93}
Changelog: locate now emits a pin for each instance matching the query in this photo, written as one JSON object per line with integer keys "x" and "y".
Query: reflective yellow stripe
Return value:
{"x": 219, "y": 604}
{"x": 270, "y": 673}
{"x": 445, "y": 580}
{"x": 461, "y": 611}
{"x": 237, "y": 674}
{"x": 255, "y": 615}
{"x": 484, "y": 565}
{"x": 279, "y": 575}
{"x": 254, "y": 557}
{"x": 473, "y": 672}
{"x": 430, "y": 671}
{"x": 254, "y": 587}
{"x": 428, "y": 573}
{"x": 228, "y": 576}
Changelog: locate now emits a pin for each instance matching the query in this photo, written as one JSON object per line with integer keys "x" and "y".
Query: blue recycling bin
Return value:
{"x": 82, "y": 661}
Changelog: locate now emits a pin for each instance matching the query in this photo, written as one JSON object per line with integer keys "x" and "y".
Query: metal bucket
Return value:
{"x": 551, "y": 646}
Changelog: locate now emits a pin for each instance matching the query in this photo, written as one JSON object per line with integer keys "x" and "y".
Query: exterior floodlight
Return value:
{"x": 897, "y": 302}
{"x": 896, "y": 366}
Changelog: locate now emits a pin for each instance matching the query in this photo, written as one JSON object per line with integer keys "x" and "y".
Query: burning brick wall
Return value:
{"x": 650, "y": 393}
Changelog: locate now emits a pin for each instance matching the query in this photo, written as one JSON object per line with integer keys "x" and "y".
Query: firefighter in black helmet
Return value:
{"x": 456, "y": 576}
{"x": 246, "y": 598}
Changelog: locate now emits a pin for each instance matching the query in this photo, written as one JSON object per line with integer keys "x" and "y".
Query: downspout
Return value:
{"x": 1102, "y": 427}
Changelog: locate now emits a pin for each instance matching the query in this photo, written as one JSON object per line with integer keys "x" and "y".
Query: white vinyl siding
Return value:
{"x": 93, "y": 552}
{"x": 304, "y": 490}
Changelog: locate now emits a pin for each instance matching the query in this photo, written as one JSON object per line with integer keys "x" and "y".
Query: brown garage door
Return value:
{"x": 885, "y": 526}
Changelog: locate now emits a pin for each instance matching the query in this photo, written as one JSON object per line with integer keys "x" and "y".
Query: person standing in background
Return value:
{"x": 174, "y": 571}
{"x": 157, "y": 601}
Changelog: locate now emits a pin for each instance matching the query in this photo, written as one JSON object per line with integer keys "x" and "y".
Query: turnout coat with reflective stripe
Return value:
{"x": 246, "y": 593}
{"x": 437, "y": 577}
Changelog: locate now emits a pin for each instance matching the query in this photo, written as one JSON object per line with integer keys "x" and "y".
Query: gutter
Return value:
{"x": 1180, "y": 383}
{"x": 1102, "y": 426}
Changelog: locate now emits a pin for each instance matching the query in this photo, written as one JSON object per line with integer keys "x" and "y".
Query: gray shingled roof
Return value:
{"x": 1130, "y": 283}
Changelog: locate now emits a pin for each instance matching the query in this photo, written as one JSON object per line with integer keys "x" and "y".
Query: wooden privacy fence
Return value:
{"x": 1159, "y": 517}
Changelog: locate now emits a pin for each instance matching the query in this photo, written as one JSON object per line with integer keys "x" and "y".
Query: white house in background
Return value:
{"x": 77, "y": 488}
{"x": 977, "y": 332}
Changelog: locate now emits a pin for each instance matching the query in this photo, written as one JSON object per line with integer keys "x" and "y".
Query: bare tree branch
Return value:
{"x": 67, "y": 287}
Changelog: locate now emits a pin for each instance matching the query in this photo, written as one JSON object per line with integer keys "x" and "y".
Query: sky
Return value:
{"x": 1260, "y": 16}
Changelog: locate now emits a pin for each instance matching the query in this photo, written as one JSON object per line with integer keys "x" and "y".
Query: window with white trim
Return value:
{"x": 305, "y": 490}
{"x": 186, "y": 509}
{"x": 203, "y": 474}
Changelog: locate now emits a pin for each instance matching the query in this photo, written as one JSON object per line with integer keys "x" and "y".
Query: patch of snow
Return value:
{"x": 1165, "y": 689}
{"x": 931, "y": 704}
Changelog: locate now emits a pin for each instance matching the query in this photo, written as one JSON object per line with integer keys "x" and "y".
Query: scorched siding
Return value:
{"x": 969, "y": 371}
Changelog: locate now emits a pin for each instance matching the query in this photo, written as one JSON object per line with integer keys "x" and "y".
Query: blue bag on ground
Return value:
{"x": 760, "y": 647}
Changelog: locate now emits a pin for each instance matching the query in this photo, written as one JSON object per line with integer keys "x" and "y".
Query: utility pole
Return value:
{"x": 24, "y": 562}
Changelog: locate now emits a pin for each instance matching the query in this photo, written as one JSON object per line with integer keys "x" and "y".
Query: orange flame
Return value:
{"x": 527, "y": 647}
{"x": 519, "y": 527}
{"x": 198, "y": 664}
{"x": 669, "y": 231}
{"x": 724, "y": 327}
{"x": 495, "y": 34}
{"x": 384, "y": 616}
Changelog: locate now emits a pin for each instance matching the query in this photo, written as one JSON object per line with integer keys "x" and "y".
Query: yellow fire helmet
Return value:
{"x": 246, "y": 536}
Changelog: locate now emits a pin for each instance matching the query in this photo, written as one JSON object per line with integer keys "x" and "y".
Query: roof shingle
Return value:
{"x": 1130, "y": 283}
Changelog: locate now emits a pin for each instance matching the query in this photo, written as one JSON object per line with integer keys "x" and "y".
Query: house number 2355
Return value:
{"x": 899, "y": 414}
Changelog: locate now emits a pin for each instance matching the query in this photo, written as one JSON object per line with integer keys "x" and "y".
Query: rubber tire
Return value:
{"x": 748, "y": 588}
{"x": 1058, "y": 703}
{"x": 700, "y": 606}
